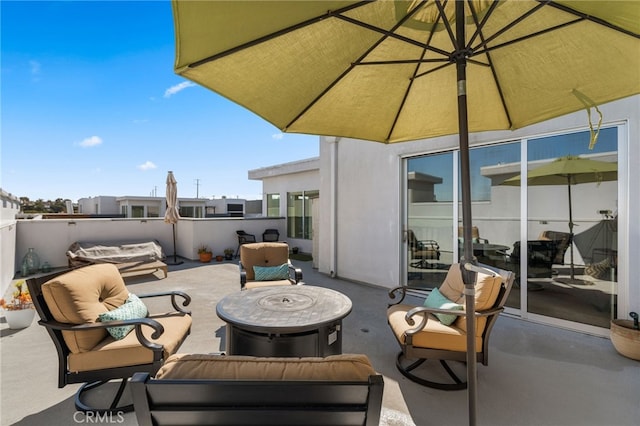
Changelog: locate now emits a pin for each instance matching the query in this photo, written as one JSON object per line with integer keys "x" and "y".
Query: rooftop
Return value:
{"x": 537, "y": 375}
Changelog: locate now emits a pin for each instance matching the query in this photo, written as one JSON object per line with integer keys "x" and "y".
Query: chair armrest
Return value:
{"x": 158, "y": 329}
{"x": 174, "y": 302}
{"x": 403, "y": 290}
{"x": 295, "y": 274}
{"x": 423, "y": 311}
{"x": 243, "y": 275}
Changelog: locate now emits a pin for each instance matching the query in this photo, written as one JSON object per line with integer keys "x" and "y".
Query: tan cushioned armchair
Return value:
{"x": 69, "y": 305}
{"x": 266, "y": 255}
{"x": 421, "y": 335}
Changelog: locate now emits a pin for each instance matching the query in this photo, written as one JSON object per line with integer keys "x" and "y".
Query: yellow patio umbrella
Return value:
{"x": 393, "y": 71}
{"x": 569, "y": 170}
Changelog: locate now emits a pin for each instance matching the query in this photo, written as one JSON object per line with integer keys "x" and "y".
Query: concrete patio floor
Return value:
{"x": 537, "y": 375}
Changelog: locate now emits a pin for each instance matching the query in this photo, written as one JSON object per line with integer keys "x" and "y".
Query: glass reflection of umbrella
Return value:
{"x": 603, "y": 237}
{"x": 569, "y": 171}
{"x": 172, "y": 215}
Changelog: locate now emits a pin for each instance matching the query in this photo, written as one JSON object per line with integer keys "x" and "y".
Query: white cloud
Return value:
{"x": 90, "y": 141}
{"x": 277, "y": 136}
{"x": 147, "y": 166}
{"x": 35, "y": 67}
{"x": 177, "y": 88}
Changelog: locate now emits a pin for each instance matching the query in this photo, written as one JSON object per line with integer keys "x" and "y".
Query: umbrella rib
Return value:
{"x": 480, "y": 26}
{"x": 392, "y": 34}
{"x": 511, "y": 25}
{"x": 358, "y": 61}
{"x": 447, "y": 25}
{"x": 480, "y": 34}
{"x": 276, "y": 34}
{"x": 519, "y": 39}
{"x": 415, "y": 71}
{"x": 591, "y": 18}
{"x": 422, "y": 74}
{"x": 404, "y": 61}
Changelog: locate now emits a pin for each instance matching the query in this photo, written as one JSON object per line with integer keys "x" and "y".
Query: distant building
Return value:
{"x": 10, "y": 206}
{"x": 130, "y": 206}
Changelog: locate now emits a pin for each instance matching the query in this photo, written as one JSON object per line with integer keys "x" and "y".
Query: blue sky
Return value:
{"x": 90, "y": 106}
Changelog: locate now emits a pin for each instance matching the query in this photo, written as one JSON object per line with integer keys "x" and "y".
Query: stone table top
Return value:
{"x": 284, "y": 309}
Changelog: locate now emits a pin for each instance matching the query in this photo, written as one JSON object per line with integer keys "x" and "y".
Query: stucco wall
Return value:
{"x": 217, "y": 233}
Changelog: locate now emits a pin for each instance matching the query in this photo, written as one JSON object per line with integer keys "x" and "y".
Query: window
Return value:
{"x": 153, "y": 211}
{"x": 191, "y": 211}
{"x": 299, "y": 214}
{"x": 137, "y": 211}
{"x": 273, "y": 205}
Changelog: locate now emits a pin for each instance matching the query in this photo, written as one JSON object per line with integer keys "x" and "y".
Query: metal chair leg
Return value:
{"x": 113, "y": 407}
{"x": 407, "y": 372}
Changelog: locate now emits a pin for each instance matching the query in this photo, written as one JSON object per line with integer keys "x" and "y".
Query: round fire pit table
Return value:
{"x": 284, "y": 321}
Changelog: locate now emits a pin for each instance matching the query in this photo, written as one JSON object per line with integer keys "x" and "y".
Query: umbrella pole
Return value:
{"x": 570, "y": 228}
{"x": 468, "y": 277}
{"x": 175, "y": 255}
{"x": 173, "y": 225}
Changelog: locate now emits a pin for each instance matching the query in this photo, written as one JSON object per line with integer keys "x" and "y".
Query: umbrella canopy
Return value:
{"x": 326, "y": 67}
{"x": 569, "y": 171}
{"x": 405, "y": 70}
{"x": 172, "y": 214}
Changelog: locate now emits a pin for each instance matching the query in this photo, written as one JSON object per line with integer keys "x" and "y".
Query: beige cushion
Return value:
{"x": 111, "y": 353}
{"x": 263, "y": 254}
{"x": 256, "y": 284}
{"x": 434, "y": 335}
{"x": 79, "y": 296}
{"x": 487, "y": 288}
{"x": 343, "y": 367}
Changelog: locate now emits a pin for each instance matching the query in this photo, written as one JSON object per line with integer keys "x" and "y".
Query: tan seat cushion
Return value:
{"x": 111, "y": 353}
{"x": 343, "y": 367}
{"x": 263, "y": 254}
{"x": 80, "y": 296}
{"x": 434, "y": 335}
{"x": 256, "y": 284}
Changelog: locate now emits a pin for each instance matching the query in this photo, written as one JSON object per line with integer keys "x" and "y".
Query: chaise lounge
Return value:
{"x": 128, "y": 256}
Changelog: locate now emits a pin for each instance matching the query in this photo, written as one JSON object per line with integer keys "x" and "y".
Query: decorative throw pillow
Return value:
{"x": 271, "y": 273}
{"x": 133, "y": 308}
{"x": 437, "y": 301}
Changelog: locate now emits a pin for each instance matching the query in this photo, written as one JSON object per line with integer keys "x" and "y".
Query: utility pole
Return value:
{"x": 197, "y": 188}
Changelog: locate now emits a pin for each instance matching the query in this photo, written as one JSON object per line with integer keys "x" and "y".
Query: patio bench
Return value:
{"x": 195, "y": 389}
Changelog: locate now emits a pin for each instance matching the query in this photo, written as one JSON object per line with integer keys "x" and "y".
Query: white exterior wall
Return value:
{"x": 217, "y": 233}
{"x": 98, "y": 205}
{"x": 361, "y": 201}
{"x": 289, "y": 180}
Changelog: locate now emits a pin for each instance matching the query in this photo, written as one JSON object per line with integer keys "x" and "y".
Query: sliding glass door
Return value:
{"x": 564, "y": 254}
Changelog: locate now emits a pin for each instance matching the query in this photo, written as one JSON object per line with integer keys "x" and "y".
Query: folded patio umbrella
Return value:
{"x": 393, "y": 71}
{"x": 172, "y": 215}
